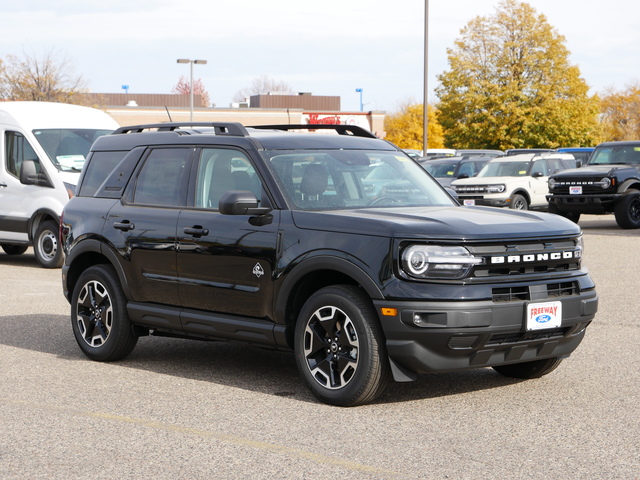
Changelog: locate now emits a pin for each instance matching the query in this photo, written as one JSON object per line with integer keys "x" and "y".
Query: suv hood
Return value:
{"x": 454, "y": 223}
{"x": 594, "y": 170}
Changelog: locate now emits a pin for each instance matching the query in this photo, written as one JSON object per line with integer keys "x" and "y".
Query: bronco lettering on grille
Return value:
{"x": 535, "y": 257}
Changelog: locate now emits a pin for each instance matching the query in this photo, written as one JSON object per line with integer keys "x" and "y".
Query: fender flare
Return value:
{"x": 323, "y": 262}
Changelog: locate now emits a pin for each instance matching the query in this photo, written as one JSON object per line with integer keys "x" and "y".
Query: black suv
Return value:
{"x": 608, "y": 183}
{"x": 292, "y": 240}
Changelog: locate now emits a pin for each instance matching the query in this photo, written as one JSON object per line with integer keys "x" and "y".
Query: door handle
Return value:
{"x": 196, "y": 231}
{"x": 3, "y": 184}
{"x": 124, "y": 225}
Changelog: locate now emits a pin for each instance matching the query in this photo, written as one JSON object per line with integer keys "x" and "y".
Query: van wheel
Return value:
{"x": 14, "y": 249}
{"x": 340, "y": 349}
{"x": 518, "y": 202}
{"x": 46, "y": 245}
{"x": 99, "y": 316}
{"x": 527, "y": 370}
{"x": 627, "y": 211}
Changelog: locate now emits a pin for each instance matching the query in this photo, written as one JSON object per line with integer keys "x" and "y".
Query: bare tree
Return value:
{"x": 183, "y": 87}
{"x": 47, "y": 78}
{"x": 261, "y": 86}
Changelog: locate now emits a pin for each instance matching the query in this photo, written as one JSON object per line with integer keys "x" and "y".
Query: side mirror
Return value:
{"x": 463, "y": 175}
{"x": 537, "y": 174}
{"x": 241, "y": 202}
{"x": 28, "y": 173}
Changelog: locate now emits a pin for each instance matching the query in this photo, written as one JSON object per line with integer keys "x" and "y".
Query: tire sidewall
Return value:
{"x": 361, "y": 317}
{"x": 622, "y": 211}
{"x": 45, "y": 229}
{"x": 517, "y": 198}
{"x": 121, "y": 339}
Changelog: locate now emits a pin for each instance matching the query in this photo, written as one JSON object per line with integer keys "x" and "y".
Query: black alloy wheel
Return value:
{"x": 99, "y": 316}
{"x": 340, "y": 347}
{"x": 627, "y": 210}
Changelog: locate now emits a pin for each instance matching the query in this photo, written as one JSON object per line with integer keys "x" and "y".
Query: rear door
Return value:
{"x": 142, "y": 227}
{"x": 225, "y": 263}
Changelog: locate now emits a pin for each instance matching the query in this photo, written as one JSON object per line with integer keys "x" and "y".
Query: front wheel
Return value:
{"x": 339, "y": 347}
{"x": 527, "y": 370}
{"x": 99, "y": 316}
{"x": 518, "y": 202}
{"x": 627, "y": 211}
{"x": 46, "y": 245}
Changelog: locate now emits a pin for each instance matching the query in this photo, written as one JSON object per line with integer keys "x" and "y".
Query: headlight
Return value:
{"x": 496, "y": 188}
{"x": 605, "y": 183}
{"x": 552, "y": 183}
{"x": 434, "y": 261}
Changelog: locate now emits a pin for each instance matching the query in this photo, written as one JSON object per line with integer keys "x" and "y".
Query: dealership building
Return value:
{"x": 269, "y": 109}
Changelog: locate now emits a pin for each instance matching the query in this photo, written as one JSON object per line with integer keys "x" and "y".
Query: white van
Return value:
{"x": 42, "y": 150}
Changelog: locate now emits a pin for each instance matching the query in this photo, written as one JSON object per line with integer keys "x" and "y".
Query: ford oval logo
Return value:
{"x": 543, "y": 318}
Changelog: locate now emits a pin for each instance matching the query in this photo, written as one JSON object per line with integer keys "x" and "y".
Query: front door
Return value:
{"x": 225, "y": 264}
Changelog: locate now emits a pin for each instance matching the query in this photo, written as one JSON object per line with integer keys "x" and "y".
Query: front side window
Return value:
{"x": 221, "y": 170}
{"x": 337, "y": 179}
{"x": 163, "y": 178}
{"x": 68, "y": 147}
{"x": 16, "y": 150}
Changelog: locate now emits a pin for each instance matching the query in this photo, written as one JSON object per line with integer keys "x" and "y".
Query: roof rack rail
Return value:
{"x": 220, "y": 128}
{"x": 340, "y": 129}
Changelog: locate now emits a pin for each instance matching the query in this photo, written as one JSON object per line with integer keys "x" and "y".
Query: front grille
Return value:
{"x": 512, "y": 259}
{"x": 590, "y": 186}
{"x": 534, "y": 292}
{"x": 510, "y": 338}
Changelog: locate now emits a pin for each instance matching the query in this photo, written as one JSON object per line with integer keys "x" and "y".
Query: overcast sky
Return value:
{"x": 327, "y": 47}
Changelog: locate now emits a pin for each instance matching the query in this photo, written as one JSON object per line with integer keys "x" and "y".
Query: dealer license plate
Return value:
{"x": 469, "y": 203}
{"x": 544, "y": 315}
{"x": 575, "y": 190}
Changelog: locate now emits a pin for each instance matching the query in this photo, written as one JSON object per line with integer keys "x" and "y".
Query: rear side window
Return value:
{"x": 163, "y": 178}
{"x": 97, "y": 171}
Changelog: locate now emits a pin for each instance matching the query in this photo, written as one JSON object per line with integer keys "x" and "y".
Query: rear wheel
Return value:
{"x": 534, "y": 369}
{"x": 14, "y": 249}
{"x": 340, "y": 347}
{"x": 627, "y": 210}
{"x": 99, "y": 315}
{"x": 46, "y": 245}
{"x": 518, "y": 202}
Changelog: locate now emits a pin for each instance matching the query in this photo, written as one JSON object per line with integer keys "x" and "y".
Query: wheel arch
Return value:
{"x": 630, "y": 184}
{"x": 310, "y": 276}
{"x": 40, "y": 216}
{"x": 86, "y": 254}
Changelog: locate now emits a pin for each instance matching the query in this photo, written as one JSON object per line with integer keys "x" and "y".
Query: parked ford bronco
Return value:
{"x": 285, "y": 240}
{"x": 608, "y": 183}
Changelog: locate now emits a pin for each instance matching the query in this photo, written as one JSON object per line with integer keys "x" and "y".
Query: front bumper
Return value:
{"x": 462, "y": 335}
{"x": 584, "y": 203}
{"x": 485, "y": 200}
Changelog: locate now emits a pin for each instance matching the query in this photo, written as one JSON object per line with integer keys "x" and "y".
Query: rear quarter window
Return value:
{"x": 98, "y": 168}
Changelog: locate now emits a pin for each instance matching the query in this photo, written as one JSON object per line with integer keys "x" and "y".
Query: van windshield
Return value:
{"x": 68, "y": 147}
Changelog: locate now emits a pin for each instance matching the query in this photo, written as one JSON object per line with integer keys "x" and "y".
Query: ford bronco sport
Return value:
{"x": 277, "y": 239}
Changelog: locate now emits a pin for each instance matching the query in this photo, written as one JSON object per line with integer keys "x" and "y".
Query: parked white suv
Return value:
{"x": 516, "y": 181}
{"x": 42, "y": 151}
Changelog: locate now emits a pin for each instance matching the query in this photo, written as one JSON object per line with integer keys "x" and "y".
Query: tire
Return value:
{"x": 99, "y": 315}
{"x": 340, "y": 348}
{"x": 627, "y": 211}
{"x": 518, "y": 202}
{"x": 573, "y": 216}
{"x": 46, "y": 245}
{"x": 14, "y": 249}
{"x": 535, "y": 369}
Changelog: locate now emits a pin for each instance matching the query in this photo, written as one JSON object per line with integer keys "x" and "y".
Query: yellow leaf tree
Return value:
{"x": 621, "y": 113}
{"x": 406, "y": 128}
{"x": 510, "y": 84}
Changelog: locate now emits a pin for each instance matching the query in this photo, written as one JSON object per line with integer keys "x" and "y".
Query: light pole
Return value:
{"x": 359, "y": 90}
{"x": 191, "y": 62}
{"x": 425, "y": 102}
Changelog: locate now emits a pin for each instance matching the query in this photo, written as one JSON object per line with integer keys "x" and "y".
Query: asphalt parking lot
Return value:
{"x": 179, "y": 409}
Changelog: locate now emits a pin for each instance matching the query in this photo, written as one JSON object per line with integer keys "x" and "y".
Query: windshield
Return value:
{"x": 441, "y": 170}
{"x": 338, "y": 179}
{"x": 505, "y": 169}
{"x": 628, "y": 154}
{"x": 68, "y": 147}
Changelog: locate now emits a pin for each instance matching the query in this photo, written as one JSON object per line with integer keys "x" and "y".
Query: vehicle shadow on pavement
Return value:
{"x": 251, "y": 368}
{"x": 27, "y": 260}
